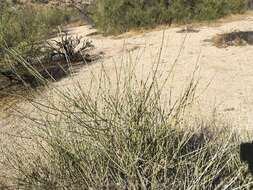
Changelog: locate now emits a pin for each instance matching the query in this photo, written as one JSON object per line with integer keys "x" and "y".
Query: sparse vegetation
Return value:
{"x": 24, "y": 26}
{"x": 112, "y": 134}
{"x": 126, "y": 139}
{"x": 24, "y": 30}
{"x": 113, "y": 16}
{"x": 70, "y": 48}
{"x": 58, "y": 56}
{"x": 236, "y": 38}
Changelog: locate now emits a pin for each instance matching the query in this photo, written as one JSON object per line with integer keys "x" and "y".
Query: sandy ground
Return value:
{"x": 225, "y": 74}
{"x": 228, "y": 72}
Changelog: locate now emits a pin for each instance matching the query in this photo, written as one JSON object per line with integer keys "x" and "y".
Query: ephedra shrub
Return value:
{"x": 120, "y": 135}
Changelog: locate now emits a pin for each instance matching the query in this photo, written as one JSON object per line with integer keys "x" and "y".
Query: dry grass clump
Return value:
{"x": 124, "y": 138}
{"x": 236, "y": 38}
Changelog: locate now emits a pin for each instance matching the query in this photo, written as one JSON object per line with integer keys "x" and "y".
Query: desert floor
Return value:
{"x": 225, "y": 75}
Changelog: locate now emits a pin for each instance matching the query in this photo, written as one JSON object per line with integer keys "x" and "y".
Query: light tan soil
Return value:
{"x": 228, "y": 72}
{"x": 225, "y": 74}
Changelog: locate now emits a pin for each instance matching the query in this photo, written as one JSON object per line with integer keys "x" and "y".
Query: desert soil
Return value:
{"x": 225, "y": 74}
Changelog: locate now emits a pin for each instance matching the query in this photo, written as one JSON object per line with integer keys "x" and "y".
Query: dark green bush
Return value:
{"x": 112, "y": 16}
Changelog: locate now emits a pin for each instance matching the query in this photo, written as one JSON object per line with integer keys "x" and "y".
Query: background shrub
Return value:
{"x": 21, "y": 27}
{"x": 113, "y": 16}
{"x": 24, "y": 30}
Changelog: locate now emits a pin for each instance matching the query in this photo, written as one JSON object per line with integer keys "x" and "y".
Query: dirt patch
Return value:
{"x": 236, "y": 38}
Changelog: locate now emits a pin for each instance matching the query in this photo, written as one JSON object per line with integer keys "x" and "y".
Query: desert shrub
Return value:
{"x": 113, "y": 16}
{"x": 58, "y": 58}
{"x": 119, "y": 16}
{"x": 21, "y": 27}
{"x": 24, "y": 30}
{"x": 58, "y": 16}
{"x": 212, "y": 9}
{"x": 125, "y": 139}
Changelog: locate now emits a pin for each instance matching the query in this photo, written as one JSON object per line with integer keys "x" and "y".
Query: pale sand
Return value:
{"x": 229, "y": 70}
